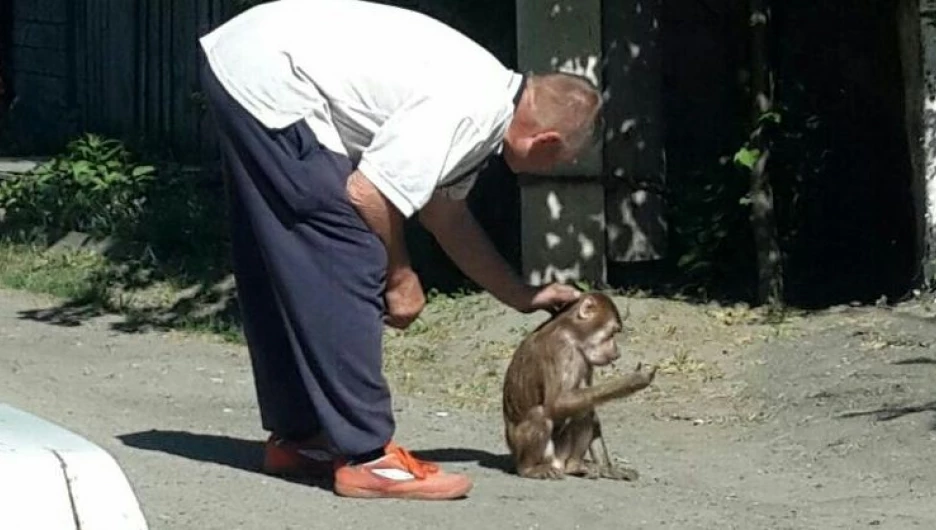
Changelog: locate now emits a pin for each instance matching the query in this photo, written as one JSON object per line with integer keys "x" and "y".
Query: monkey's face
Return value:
{"x": 598, "y": 322}
{"x": 601, "y": 349}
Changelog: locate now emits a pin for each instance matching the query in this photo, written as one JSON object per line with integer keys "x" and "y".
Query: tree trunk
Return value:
{"x": 763, "y": 223}
{"x": 928, "y": 134}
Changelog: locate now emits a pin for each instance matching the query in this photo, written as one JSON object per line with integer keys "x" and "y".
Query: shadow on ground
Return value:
{"x": 236, "y": 453}
{"x": 892, "y": 412}
{"x": 889, "y": 412}
{"x": 206, "y": 306}
{"x": 916, "y": 360}
{"x": 247, "y": 455}
{"x": 69, "y": 314}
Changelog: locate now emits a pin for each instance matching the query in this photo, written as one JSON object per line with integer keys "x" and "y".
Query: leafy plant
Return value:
{"x": 747, "y": 156}
{"x": 94, "y": 187}
{"x": 709, "y": 227}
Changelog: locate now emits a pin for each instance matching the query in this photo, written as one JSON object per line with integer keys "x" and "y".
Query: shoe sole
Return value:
{"x": 364, "y": 493}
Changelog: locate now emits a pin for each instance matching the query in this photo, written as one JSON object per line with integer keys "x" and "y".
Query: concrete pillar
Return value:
{"x": 563, "y": 218}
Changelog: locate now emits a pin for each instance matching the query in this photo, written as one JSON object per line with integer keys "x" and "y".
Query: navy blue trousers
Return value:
{"x": 310, "y": 281}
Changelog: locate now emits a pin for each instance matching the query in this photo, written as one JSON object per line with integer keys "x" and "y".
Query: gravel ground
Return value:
{"x": 825, "y": 422}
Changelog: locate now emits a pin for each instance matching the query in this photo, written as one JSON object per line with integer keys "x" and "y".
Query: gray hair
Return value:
{"x": 567, "y": 103}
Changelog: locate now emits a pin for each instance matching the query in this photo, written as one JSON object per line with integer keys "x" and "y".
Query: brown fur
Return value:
{"x": 549, "y": 400}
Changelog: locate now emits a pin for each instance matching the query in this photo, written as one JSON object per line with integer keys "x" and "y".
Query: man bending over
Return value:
{"x": 337, "y": 121}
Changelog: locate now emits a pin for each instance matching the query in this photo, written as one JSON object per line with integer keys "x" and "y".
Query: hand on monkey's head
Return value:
{"x": 552, "y": 298}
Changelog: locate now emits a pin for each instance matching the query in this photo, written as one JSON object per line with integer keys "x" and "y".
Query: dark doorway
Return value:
{"x": 845, "y": 166}
{"x": 6, "y": 52}
{"x": 841, "y": 166}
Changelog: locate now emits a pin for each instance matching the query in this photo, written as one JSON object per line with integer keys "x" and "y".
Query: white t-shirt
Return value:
{"x": 415, "y": 105}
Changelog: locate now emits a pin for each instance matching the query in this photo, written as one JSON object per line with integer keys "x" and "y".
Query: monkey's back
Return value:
{"x": 536, "y": 367}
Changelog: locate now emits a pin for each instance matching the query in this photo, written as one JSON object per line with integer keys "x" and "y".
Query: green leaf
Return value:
{"x": 701, "y": 265}
{"x": 770, "y": 116}
{"x": 141, "y": 171}
{"x": 747, "y": 157}
{"x": 108, "y": 156}
{"x": 686, "y": 259}
{"x": 80, "y": 167}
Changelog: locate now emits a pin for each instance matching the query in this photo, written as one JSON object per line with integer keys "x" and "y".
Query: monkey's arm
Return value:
{"x": 576, "y": 401}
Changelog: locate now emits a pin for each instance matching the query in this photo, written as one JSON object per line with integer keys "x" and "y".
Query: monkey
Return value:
{"x": 549, "y": 400}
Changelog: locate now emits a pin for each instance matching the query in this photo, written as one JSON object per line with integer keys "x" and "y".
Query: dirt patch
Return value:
{"x": 457, "y": 352}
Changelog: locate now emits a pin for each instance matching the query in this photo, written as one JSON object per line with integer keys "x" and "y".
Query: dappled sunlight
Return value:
{"x": 563, "y": 237}
{"x": 641, "y": 233}
{"x": 583, "y": 66}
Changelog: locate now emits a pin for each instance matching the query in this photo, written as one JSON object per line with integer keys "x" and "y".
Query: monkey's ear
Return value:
{"x": 587, "y": 308}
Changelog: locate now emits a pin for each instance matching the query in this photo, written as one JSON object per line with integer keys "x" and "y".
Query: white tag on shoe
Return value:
{"x": 393, "y": 474}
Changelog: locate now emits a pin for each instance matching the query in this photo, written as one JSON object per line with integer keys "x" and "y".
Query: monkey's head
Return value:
{"x": 597, "y": 321}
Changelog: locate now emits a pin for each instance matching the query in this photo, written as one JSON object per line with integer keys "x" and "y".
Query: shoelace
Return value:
{"x": 419, "y": 468}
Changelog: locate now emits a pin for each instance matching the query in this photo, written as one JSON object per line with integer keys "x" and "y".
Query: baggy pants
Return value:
{"x": 310, "y": 279}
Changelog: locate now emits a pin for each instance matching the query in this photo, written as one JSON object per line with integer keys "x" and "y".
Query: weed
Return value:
{"x": 66, "y": 275}
{"x": 94, "y": 187}
{"x": 683, "y": 363}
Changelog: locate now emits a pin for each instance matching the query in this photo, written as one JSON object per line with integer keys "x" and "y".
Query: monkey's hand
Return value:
{"x": 643, "y": 376}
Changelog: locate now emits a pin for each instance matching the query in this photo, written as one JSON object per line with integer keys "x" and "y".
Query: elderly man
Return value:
{"x": 337, "y": 121}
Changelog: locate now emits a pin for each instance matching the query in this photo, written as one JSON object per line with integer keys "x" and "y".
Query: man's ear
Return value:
{"x": 547, "y": 139}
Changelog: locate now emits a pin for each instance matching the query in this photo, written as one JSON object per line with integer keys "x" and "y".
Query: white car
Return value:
{"x": 53, "y": 479}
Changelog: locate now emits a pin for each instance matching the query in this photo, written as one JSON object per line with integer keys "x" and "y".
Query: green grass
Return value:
{"x": 72, "y": 275}
{"x": 149, "y": 297}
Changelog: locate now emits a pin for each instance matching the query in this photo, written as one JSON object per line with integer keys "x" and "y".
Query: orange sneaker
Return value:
{"x": 399, "y": 475}
{"x": 307, "y": 459}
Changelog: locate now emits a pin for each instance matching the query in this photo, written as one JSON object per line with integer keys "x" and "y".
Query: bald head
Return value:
{"x": 555, "y": 119}
{"x": 566, "y": 103}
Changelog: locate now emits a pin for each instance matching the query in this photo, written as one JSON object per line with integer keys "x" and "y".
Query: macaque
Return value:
{"x": 549, "y": 400}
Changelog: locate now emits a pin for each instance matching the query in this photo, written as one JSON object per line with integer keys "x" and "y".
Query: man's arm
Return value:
{"x": 383, "y": 218}
{"x": 465, "y": 242}
{"x": 404, "y": 295}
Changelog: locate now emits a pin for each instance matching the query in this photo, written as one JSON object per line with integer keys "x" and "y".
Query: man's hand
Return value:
{"x": 405, "y": 298}
{"x": 552, "y": 298}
